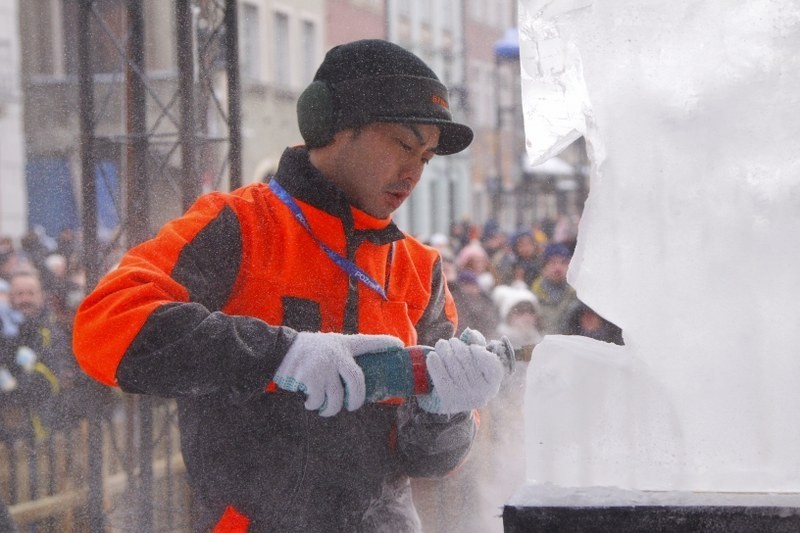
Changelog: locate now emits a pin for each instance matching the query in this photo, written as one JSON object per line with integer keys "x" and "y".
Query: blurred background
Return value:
{"x": 116, "y": 114}
{"x": 169, "y": 115}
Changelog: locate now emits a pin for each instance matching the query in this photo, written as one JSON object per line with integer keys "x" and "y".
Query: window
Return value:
{"x": 309, "y": 51}
{"x": 109, "y": 32}
{"x": 281, "y": 60}
{"x": 251, "y": 51}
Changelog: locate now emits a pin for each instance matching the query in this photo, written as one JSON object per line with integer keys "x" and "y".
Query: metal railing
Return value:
{"x": 48, "y": 486}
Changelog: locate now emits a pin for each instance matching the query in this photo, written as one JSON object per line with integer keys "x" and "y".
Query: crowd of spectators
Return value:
{"x": 515, "y": 283}
{"x": 41, "y": 387}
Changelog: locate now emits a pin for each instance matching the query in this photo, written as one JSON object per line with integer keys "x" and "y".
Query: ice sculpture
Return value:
{"x": 690, "y": 241}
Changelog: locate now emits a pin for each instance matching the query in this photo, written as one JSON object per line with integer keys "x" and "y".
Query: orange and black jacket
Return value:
{"x": 204, "y": 313}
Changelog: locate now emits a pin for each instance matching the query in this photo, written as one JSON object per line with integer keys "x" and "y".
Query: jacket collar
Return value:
{"x": 304, "y": 182}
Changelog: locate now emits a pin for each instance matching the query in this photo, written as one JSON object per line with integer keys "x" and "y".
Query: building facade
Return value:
{"x": 281, "y": 43}
{"x": 13, "y": 198}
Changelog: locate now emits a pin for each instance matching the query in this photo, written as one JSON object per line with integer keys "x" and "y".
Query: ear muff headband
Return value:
{"x": 316, "y": 115}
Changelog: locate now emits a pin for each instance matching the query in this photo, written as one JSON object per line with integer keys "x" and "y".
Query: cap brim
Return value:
{"x": 454, "y": 137}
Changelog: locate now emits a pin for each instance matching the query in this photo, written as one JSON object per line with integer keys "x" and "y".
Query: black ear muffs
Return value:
{"x": 316, "y": 114}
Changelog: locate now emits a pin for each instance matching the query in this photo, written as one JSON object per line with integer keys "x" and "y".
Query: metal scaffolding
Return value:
{"x": 167, "y": 134}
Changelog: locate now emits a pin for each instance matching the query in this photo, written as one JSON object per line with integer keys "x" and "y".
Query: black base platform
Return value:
{"x": 547, "y": 508}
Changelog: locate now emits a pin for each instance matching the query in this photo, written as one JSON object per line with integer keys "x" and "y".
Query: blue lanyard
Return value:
{"x": 348, "y": 266}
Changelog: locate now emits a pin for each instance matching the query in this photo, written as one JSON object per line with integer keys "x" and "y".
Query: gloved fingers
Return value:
{"x": 460, "y": 349}
{"x": 333, "y": 398}
{"x": 472, "y": 336}
{"x": 454, "y": 357}
{"x": 464, "y": 376}
{"x": 355, "y": 388}
{"x": 315, "y": 398}
{"x": 486, "y": 365}
{"x": 360, "y": 344}
{"x": 487, "y": 372}
{"x": 447, "y": 367}
{"x": 435, "y": 366}
{"x": 444, "y": 347}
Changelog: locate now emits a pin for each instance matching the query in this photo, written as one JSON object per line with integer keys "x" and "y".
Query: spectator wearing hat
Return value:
{"x": 38, "y": 329}
{"x": 495, "y": 241}
{"x": 519, "y": 316}
{"x": 555, "y": 295}
{"x": 253, "y": 308}
{"x": 474, "y": 258}
{"x": 523, "y": 262}
{"x": 30, "y": 384}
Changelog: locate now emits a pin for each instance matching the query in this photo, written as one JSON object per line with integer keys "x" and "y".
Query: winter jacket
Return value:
{"x": 43, "y": 335}
{"x": 554, "y": 302}
{"x": 205, "y": 312}
{"x": 29, "y": 385}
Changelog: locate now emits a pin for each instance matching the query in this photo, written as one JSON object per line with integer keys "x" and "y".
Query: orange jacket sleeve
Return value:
{"x": 153, "y": 324}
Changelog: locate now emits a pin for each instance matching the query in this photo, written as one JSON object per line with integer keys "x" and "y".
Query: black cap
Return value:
{"x": 373, "y": 80}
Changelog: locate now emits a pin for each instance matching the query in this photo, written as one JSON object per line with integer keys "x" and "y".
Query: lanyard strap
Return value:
{"x": 350, "y": 268}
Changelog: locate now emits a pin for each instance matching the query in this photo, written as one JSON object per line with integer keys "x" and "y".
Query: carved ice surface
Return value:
{"x": 690, "y": 242}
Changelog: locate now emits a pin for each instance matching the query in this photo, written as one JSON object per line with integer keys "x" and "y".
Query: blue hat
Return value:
{"x": 556, "y": 249}
{"x": 467, "y": 276}
{"x": 519, "y": 234}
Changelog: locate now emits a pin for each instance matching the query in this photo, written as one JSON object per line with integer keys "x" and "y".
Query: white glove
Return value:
{"x": 322, "y": 366}
{"x": 464, "y": 376}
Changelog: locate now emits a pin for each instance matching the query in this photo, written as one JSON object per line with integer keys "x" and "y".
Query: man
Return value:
{"x": 31, "y": 363}
{"x": 555, "y": 295}
{"x": 38, "y": 329}
{"x": 73, "y": 395}
{"x": 252, "y": 309}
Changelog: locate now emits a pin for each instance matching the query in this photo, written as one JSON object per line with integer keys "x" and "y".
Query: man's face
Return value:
{"x": 555, "y": 269}
{"x": 379, "y": 165}
{"x": 26, "y": 295}
{"x": 526, "y": 246}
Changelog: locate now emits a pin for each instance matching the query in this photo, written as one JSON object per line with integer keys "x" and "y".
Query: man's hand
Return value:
{"x": 464, "y": 376}
{"x": 322, "y": 366}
